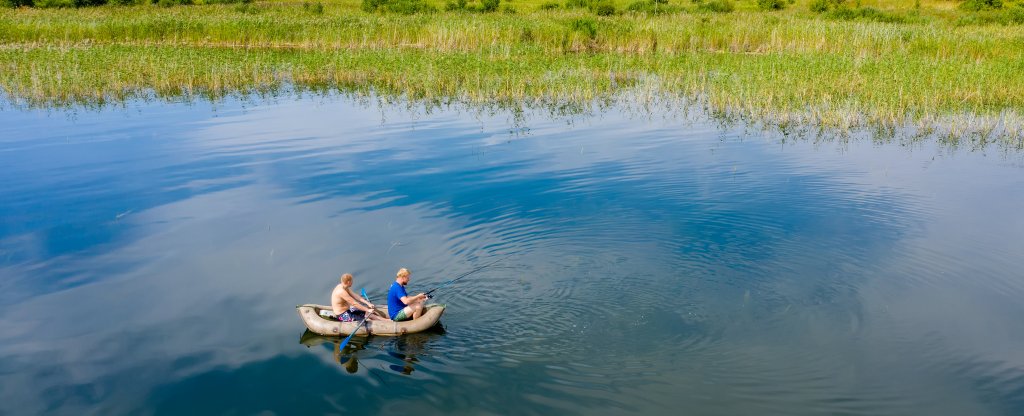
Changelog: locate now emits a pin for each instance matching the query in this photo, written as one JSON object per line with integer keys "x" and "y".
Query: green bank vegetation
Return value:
{"x": 956, "y": 65}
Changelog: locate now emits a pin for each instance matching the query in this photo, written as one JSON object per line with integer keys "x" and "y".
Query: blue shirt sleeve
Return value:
{"x": 395, "y": 295}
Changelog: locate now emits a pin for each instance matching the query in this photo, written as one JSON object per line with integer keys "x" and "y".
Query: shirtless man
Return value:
{"x": 346, "y": 305}
{"x": 401, "y": 306}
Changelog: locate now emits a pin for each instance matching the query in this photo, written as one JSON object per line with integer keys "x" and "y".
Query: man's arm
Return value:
{"x": 408, "y": 300}
{"x": 362, "y": 300}
{"x": 353, "y": 302}
{"x": 367, "y": 303}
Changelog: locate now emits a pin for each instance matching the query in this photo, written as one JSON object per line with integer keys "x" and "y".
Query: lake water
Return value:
{"x": 151, "y": 258}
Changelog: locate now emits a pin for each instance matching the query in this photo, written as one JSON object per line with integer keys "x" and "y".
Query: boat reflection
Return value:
{"x": 351, "y": 365}
{"x": 404, "y": 348}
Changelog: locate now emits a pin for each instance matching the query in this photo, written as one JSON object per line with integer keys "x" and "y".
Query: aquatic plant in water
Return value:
{"x": 850, "y": 66}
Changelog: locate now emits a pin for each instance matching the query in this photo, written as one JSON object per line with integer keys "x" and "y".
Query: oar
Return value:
{"x": 366, "y": 318}
{"x": 367, "y": 298}
{"x": 464, "y": 275}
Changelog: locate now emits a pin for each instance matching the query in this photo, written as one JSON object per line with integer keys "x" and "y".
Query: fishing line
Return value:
{"x": 464, "y": 275}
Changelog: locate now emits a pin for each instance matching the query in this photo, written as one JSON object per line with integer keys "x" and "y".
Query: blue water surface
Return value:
{"x": 152, "y": 255}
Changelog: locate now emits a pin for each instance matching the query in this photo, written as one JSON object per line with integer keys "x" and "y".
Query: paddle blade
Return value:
{"x": 349, "y": 337}
{"x": 363, "y": 290}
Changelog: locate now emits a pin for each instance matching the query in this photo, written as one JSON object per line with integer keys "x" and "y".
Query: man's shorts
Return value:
{"x": 401, "y": 316}
{"x": 351, "y": 316}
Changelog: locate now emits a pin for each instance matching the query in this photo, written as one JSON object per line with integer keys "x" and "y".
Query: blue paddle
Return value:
{"x": 365, "y": 319}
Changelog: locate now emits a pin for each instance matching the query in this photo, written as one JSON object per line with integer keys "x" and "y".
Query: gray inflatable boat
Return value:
{"x": 320, "y": 319}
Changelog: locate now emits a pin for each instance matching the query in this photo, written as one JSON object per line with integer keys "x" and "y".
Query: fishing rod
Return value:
{"x": 464, "y": 275}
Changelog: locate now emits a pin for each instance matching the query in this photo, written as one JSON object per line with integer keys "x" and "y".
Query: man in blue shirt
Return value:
{"x": 401, "y": 306}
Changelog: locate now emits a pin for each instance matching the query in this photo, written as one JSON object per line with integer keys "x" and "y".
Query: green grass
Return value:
{"x": 883, "y": 66}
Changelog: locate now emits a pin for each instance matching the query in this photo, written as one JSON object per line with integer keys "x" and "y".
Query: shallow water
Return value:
{"x": 151, "y": 258}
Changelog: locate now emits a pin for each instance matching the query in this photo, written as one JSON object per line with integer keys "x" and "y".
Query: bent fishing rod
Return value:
{"x": 464, "y": 275}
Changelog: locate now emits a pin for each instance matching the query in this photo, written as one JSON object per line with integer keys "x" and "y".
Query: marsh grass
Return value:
{"x": 784, "y": 67}
{"x": 653, "y": 7}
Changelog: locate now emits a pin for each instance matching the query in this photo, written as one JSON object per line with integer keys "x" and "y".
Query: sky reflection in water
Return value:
{"x": 150, "y": 261}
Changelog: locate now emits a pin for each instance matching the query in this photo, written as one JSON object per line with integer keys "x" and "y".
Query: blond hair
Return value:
{"x": 403, "y": 272}
{"x": 346, "y": 278}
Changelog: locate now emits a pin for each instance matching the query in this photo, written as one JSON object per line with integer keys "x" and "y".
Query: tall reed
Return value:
{"x": 786, "y": 64}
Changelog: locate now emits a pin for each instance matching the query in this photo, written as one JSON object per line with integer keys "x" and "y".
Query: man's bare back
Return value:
{"x": 343, "y": 300}
{"x": 338, "y": 302}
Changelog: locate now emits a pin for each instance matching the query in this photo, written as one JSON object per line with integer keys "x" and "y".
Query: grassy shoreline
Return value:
{"x": 775, "y": 66}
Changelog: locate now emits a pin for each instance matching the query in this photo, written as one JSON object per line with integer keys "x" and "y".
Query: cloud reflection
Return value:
{"x": 652, "y": 265}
